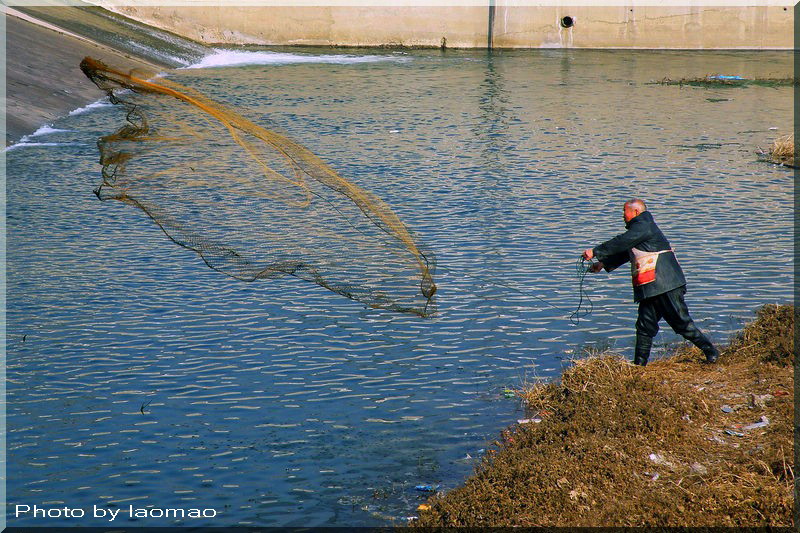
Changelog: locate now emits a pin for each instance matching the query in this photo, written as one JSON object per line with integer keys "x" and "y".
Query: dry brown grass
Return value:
{"x": 781, "y": 152}
{"x": 621, "y": 445}
{"x": 783, "y": 149}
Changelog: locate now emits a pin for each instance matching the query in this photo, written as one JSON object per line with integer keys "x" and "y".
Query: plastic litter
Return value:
{"x": 727, "y": 409}
{"x": 721, "y": 77}
{"x": 660, "y": 460}
{"x": 760, "y": 424}
{"x": 535, "y": 420}
{"x": 426, "y": 488}
{"x": 734, "y": 433}
{"x": 424, "y": 507}
{"x": 509, "y": 393}
{"x": 657, "y": 458}
{"x": 464, "y": 460}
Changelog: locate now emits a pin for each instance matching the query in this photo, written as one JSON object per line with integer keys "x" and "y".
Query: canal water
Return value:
{"x": 139, "y": 377}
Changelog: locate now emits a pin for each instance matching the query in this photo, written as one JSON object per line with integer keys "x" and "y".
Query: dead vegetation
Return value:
{"x": 675, "y": 443}
{"x": 717, "y": 80}
{"x": 781, "y": 152}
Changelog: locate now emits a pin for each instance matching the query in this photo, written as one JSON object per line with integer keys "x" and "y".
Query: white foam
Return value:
{"x": 47, "y": 129}
{"x": 235, "y": 58}
{"x": 27, "y": 144}
{"x": 103, "y": 102}
{"x": 43, "y": 130}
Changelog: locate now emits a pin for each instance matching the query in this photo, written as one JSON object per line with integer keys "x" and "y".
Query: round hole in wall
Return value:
{"x": 567, "y": 22}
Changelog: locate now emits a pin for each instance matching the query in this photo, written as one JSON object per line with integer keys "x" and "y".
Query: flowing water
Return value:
{"x": 139, "y": 377}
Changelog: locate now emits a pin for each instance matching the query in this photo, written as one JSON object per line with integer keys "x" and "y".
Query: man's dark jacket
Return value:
{"x": 644, "y": 235}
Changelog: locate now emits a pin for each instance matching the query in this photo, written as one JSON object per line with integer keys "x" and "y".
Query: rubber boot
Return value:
{"x": 696, "y": 337}
{"x": 708, "y": 349}
{"x": 642, "y": 351}
{"x": 711, "y": 353}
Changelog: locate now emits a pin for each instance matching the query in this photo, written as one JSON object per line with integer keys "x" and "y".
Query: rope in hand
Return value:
{"x": 582, "y": 268}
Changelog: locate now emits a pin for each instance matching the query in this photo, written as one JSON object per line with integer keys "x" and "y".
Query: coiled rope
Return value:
{"x": 582, "y": 267}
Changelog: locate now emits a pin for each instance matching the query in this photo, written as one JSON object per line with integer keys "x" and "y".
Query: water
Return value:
{"x": 137, "y": 376}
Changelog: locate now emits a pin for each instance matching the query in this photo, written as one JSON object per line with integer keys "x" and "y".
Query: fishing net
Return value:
{"x": 253, "y": 203}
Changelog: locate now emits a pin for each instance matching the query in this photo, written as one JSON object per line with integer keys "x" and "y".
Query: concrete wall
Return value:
{"x": 645, "y": 27}
{"x": 322, "y": 26}
{"x": 468, "y": 27}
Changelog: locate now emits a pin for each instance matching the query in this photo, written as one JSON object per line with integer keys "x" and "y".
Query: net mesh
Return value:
{"x": 251, "y": 202}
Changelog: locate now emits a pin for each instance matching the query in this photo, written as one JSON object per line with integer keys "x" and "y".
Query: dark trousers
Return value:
{"x": 671, "y": 307}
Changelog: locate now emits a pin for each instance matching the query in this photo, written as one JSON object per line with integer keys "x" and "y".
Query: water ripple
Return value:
{"x": 137, "y": 376}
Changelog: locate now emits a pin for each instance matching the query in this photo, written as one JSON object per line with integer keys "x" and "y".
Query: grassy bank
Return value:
{"x": 670, "y": 444}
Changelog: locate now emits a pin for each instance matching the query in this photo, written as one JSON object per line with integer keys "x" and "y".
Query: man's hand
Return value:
{"x": 596, "y": 267}
{"x": 588, "y": 253}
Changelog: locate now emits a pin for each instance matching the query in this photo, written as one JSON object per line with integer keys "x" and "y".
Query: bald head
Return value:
{"x": 636, "y": 204}
{"x": 633, "y": 208}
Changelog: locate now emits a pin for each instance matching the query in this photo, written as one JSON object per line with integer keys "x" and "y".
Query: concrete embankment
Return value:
{"x": 675, "y": 443}
{"x": 43, "y": 78}
{"x": 500, "y": 26}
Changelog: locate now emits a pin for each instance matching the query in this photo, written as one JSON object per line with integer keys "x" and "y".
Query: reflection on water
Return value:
{"x": 137, "y": 376}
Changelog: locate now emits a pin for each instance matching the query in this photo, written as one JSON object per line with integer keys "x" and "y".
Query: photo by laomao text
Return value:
{"x": 35, "y": 511}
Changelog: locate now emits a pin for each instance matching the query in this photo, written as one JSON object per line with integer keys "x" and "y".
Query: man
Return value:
{"x": 658, "y": 282}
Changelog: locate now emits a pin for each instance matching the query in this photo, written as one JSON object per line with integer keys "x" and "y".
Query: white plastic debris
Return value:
{"x": 760, "y": 424}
